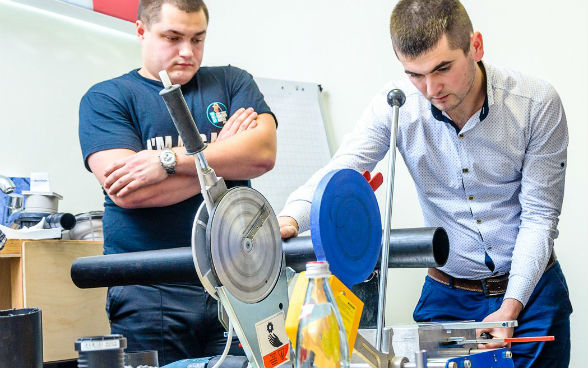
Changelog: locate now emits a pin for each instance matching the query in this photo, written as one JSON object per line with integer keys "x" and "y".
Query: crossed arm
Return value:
{"x": 244, "y": 149}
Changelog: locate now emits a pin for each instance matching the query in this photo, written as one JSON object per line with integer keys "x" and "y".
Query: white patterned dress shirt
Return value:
{"x": 496, "y": 186}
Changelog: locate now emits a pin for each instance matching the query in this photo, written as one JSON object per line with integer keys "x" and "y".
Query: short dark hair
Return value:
{"x": 416, "y": 26}
{"x": 149, "y": 10}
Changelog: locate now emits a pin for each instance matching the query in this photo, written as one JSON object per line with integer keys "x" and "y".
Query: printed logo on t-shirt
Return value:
{"x": 216, "y": 113}
{"x": 159, "y": 143}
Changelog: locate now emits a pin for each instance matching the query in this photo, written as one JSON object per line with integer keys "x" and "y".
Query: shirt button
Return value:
{"x": 460, "y": 135}
{"x": 479, "y": 221}
{"x": 465, "y": 170}
{"x": 471, "y": 198}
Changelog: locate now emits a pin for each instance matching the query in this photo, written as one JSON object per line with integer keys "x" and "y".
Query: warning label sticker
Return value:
{"x": 277, "y": 357}
{"x": 273, "y": 341}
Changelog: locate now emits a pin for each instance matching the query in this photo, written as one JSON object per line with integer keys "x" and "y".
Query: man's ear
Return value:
{"x": 140, "y": 28}
{"x": 477, "y": 46}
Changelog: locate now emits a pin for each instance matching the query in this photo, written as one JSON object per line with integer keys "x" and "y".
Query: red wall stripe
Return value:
{"x": 123, "y": 9}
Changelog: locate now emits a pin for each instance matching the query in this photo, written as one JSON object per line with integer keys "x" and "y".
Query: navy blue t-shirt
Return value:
{"x": 128, "y": 112}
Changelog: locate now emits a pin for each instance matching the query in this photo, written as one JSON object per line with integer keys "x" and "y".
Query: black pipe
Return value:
{"x": 21, "y": 338}
{"x": 418, "y": 248}
{"x": 66, "y": 221}
{"x": 298, "y": 251}
{"x": 414, "y": 248}
{"x": 136, "y": 268}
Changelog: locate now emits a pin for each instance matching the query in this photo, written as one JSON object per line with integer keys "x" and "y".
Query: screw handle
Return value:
{"x": 396, "y": 97}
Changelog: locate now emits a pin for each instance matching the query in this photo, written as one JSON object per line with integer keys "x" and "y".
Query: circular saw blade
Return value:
{"x": 201, "y": 252}
{"x": 245, "y": 244}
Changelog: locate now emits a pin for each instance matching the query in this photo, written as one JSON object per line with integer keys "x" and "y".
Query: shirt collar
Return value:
{"x": 488, "y": 100}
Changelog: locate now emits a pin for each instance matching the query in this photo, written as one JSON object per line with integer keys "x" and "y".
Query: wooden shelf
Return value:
{"x": 12, "y": 248}
{"x": 36, "y": 274}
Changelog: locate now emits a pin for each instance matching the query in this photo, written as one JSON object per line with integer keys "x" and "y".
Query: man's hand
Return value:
{"x": 133, "y": 172}
{"x": 288, "y": 227}
{"x": 242, "y": 119}
{"x": 508, "y": 311}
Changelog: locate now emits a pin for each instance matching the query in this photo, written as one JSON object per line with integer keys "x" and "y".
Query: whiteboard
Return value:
{"x": 302, "y": 140}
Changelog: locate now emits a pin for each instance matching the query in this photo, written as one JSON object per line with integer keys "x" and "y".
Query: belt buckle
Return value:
{"x": 484, "y": 284}
{"x": 487, "y": 293}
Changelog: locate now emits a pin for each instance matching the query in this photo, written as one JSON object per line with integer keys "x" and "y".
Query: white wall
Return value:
{"x": 341, "y": 44}
{"x": 47, "y": 62}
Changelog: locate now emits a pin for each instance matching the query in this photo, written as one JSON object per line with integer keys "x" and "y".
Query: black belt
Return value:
{"x": 492, "y": 286}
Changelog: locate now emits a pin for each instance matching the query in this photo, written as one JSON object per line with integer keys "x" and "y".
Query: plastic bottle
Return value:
{"x": 321, "y": 340}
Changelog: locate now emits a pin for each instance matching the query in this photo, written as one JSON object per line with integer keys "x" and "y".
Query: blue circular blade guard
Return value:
{"x": 345, "y": 225}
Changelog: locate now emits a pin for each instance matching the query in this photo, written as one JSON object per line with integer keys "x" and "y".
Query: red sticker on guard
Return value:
{"x": 277, "y": 357}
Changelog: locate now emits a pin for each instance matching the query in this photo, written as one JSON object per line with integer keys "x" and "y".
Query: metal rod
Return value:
{"x": 420, "y": 359}
{"x": 455, "y": 352}
{"x": 469, "y": 325}
{"x": 396, "y": 99}
{"x": 200, "y": 162}
{"x": 437, "y": 364}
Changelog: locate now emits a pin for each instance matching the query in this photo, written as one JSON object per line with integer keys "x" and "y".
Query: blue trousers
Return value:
{"x": 180, "y": 321}
{"x": 547, "y": 313}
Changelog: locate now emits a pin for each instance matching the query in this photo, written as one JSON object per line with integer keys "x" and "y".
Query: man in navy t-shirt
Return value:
{"x": 152, "y": 192}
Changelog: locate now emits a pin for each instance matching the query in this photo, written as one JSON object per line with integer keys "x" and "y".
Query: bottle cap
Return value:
{"x": 317, "y": 269}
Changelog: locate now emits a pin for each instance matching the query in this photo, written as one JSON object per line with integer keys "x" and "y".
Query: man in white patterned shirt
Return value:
{"x": 487, "y": 150}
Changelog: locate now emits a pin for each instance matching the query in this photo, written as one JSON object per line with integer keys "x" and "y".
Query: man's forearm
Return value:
{"x": 138, "y": 180}
{"x": 243, "y": 156}
{"x": 246, "y": 155}
{"x": 530, "y": 257}
{"x": 172, "y": 190}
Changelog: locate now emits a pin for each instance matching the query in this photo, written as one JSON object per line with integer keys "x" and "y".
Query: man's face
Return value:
{"x": 174, "y": 43}
{"x": 443, "y": 75}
